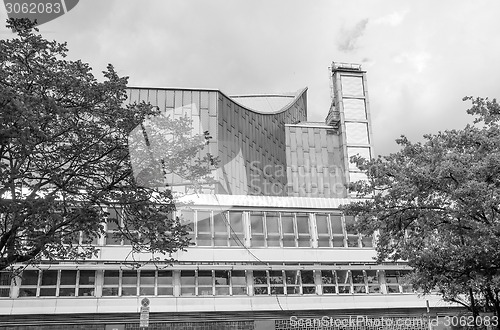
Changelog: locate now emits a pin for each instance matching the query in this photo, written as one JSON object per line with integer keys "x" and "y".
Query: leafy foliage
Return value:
{"x": 64, "y": 158}
{"x": 436, "y": 204}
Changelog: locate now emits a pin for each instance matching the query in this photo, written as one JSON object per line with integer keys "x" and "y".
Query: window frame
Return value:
{"x": 77, "y": 287}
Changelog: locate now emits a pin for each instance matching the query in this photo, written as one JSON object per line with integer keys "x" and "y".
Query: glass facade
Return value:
{"x": 57, "y": 283}
{"x": 266, "y": 229}
{"x": 289, "y": 280}
{"x": 137, "y": 282}
{"x": 273, "y": 229}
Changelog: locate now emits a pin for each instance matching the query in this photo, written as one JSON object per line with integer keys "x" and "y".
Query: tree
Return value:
{"x": 436, "y": 204}
{"x": 64, "y": 157}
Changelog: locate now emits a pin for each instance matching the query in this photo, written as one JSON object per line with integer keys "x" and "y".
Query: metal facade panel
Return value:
{"x": 133, "y": 95}
{"x": 178, "y": 96}
{"x": 260, "y": 138}
{"x": 178, "y": 103}
{"x": 170, "y": 99}
{"x": 352, "y": 85}
{"x": 354, "y": 109}
{"x": 162, "y": 99}
{"x": 204, "y": 100}
{"x": 357, "y": 133}
{"x": 311, "y": 162}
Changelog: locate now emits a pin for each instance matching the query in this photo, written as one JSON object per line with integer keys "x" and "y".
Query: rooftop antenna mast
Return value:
{"x": 330, "y": 79}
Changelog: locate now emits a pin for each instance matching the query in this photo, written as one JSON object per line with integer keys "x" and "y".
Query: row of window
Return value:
{"x": 196, "y": 282}
{"x": 273, "y": 229}
{"x": 255, "y": 229}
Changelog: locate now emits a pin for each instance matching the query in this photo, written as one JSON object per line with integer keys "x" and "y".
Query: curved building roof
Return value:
{"x": 266, "y": 103}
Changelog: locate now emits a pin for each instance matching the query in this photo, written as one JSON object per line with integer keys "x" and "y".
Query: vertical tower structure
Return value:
{"x": 350, "y": 112}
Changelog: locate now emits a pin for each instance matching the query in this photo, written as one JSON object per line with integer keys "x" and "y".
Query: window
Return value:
{"x": 337, "y": 230}
{"x": 221, "y": 230}
{"x": 372, "y": 278}
{"x": 323, "y": 230}
{"x": 292, "y": 282}
{"x": 129, "y": 283}
{"x": 222, "y": 282}
{"x": 333, "y": 231}
{"x": 403, "y": 280}
{"x": 188, "y": 282}
{"x": 260, "y": 285}
{"x": 204, "y": 228}
{"x": 5, "y": 281}
{"x": 48, "y": 283}
{"x": 217, "y": 229}
{"x": 86, "y": 283}
{"x": 276, "y": 281}
{"x": 205, "y": 285}
{"x": 238, "y": 282}
{"x": 29, "y": 284}
{"x": 395, "y": 281}
{"x": 257, "y": 229}
{"x": 79, "y": 238}
{"x": 147, "y": 283}
{"x": 120, "y": 283}
{"x": 392, "y": 281}
{"x": 307, "y": 280}
{"x": 329, "y": 281}
{"x": 273, "y": 229}
{"x": 68, "y": 281}
{"x": 187, "y": 218}
{"x": 289, "y": 282}
{"x": 60, "y": 283}
{"x": 137, "y": 282}
{"x": 115, "y": 223}
{"x": 237, "y": 232}
{"x": 204, "y": 282}
{"x": 113, "y": 227}
{"x": 358, "y": 280}
{"x": 344, "y": 281}
{"x": 111, "y": 284}
{"x": 330, "y": 230}
{"x": 303, "y": 234}
{"x": 352, "y": 235}
{"x": 165, "y": 284}
{"x": 287, "y": 220}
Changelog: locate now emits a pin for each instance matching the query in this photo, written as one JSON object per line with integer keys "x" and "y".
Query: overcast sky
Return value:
{"x": 422, "y": 56}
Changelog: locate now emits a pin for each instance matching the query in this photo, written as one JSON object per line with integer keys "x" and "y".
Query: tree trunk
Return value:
{"x": 475, "y": 313}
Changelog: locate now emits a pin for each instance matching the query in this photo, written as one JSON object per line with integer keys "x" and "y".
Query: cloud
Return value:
{"x": 418, "y": 60}
{"x": 349, "y": 37}
{"x": 393, "y": 19}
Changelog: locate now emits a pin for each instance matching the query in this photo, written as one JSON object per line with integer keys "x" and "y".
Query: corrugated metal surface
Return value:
{"x": 313, "y": 162}
{"x": 252, "y": 147}
{"x": 354, "y": 109}
{"x": 198, "y": 105}
{"x": 352, "y": 85}
{"x": 357, "y": 133}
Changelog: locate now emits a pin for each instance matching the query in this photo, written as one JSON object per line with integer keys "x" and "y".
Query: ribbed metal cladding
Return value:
{"x": 248, "y": 143}
{"x": 314, "y": 165}
{"x": 252, "y": 147}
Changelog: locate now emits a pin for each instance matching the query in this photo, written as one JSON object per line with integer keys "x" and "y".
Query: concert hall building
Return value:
{"x": 271, "y": 249}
